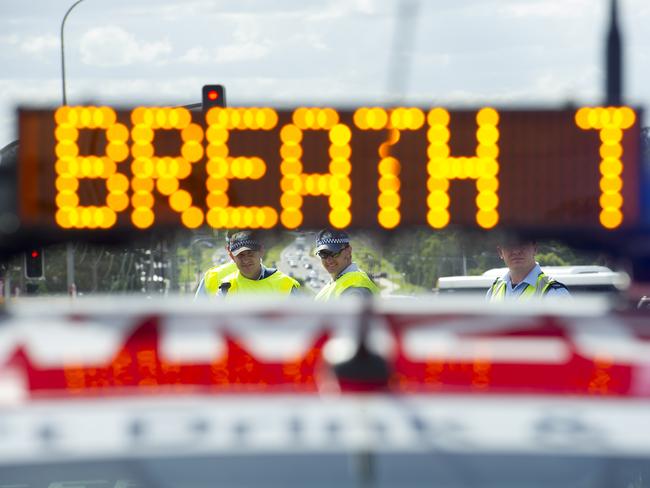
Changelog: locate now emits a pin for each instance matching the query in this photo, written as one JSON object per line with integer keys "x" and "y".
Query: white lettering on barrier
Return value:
{"x": 200, "y": 426}
{"x": 94, "y": 341}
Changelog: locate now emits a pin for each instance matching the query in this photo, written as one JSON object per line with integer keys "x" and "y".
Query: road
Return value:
{"x": 388, "y": 287}
{"x": 297, "y": 261}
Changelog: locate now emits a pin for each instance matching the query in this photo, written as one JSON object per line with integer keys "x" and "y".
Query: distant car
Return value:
{"x": 313, "y": 274}
{"x": 292, "y": 263}
{"x": 308, "y": 266}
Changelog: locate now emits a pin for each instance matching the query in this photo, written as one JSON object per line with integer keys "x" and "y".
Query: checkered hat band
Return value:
{"x": 340, "y": 240}
{"x": 245, "y": 243}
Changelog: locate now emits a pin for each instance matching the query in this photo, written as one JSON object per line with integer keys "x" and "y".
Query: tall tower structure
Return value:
{"x": 613, "y": 59}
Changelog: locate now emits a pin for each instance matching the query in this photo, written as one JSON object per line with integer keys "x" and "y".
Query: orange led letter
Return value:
{"x": 71, "y": 167}
{"x": 166, "y": 172}
{"x": 222, "y": 167}
{"x": 611, "y": 122}
{"x": 295, "y": 184}
{"x": 483, "y": 168}
{"x": 389, "y": 167}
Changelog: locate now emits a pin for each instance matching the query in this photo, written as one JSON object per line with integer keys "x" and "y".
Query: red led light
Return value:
{"x": 34, "y": 254}
{"x": 213, "y": 95}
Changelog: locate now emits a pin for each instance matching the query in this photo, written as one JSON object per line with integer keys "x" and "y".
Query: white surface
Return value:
{"x": 167, "y": 426}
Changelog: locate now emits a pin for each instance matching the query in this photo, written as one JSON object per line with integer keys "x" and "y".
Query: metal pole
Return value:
{"x": 613, "y": 59}
{"x": 400, "y": 54}
{"x": 65, "y": 101}
{"x": 70, "y": 247}
{"x": 7, "y": 287}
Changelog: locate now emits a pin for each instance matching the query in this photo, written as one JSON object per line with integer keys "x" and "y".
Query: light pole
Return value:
{"x": 72, "y": 289}
{"x": 65, "y": 100}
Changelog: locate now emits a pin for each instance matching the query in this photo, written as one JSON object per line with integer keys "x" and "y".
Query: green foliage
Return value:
{"x": 551, "y": 259}
{"x": 555, "y": 253}
{"x": 423, "y": 255}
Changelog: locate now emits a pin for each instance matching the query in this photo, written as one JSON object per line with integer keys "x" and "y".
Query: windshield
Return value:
{"x": 292, "y": 243}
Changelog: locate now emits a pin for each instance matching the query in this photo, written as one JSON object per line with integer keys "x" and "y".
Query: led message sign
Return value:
{"x": 97, "y": 168}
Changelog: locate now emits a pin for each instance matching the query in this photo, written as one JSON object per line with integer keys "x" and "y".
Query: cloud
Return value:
{"x": 11, "y": 40}
{"x": 249, "y": 51}
{"x": 112, "y": 46}
{"x": 33, "y": 46}
{"x": 340, "y": 9}
{"x": 34, "y": 91}
{"x": 242, "y": 52}
{"x": 547, "y": 87}
{"x": 222, "y": 11}
{"x": 24, "y": 92}
{"x": 40, "y": 45}
{"x": 196, "y": 55}
{"x": 246, "y": 44}
{"x": 540, "y": 9}
{"x": 310, "y": 40}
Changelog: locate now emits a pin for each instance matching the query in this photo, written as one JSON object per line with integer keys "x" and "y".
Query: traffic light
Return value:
{"x": 34, "y": 263}
{"x": 213, "y": 96}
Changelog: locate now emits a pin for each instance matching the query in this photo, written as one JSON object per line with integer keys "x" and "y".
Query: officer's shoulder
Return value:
{"x": 267, "y": 272}
{"x": 220, "y": 268}
{"x": 357, "y": 290}
{"x": 556, "y": 285}
{"x": 211, "y": 270}
{"x": 295, "y": 281}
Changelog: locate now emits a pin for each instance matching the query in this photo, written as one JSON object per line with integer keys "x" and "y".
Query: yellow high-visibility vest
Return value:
{"x": 278, "y": 283}
{"x": 543, "y": 284}
{"x": 213, "y": 277}
{"x": 353, "y": 279}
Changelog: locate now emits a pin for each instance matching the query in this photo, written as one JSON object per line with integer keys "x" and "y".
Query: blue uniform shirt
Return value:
{"x": 530, "y": 279}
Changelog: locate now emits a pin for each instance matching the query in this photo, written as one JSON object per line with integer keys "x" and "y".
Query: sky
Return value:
{"x": 460, "y": 53}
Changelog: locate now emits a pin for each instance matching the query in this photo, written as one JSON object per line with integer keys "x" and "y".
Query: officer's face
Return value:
{"x": 334, "y": 263}
{"x": 249, "y": 263}
{"x": 518, "y": 257}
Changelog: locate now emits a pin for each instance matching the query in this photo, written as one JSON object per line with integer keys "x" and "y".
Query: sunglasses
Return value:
{"x": 328, "y": 254}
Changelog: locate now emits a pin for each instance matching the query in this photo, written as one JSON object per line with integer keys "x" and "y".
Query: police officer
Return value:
{"x": 525, "y": 278}
{"x": 334, "y": 250}
{"x": 209, "y": 285}
{"x": 251, "y": 276}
